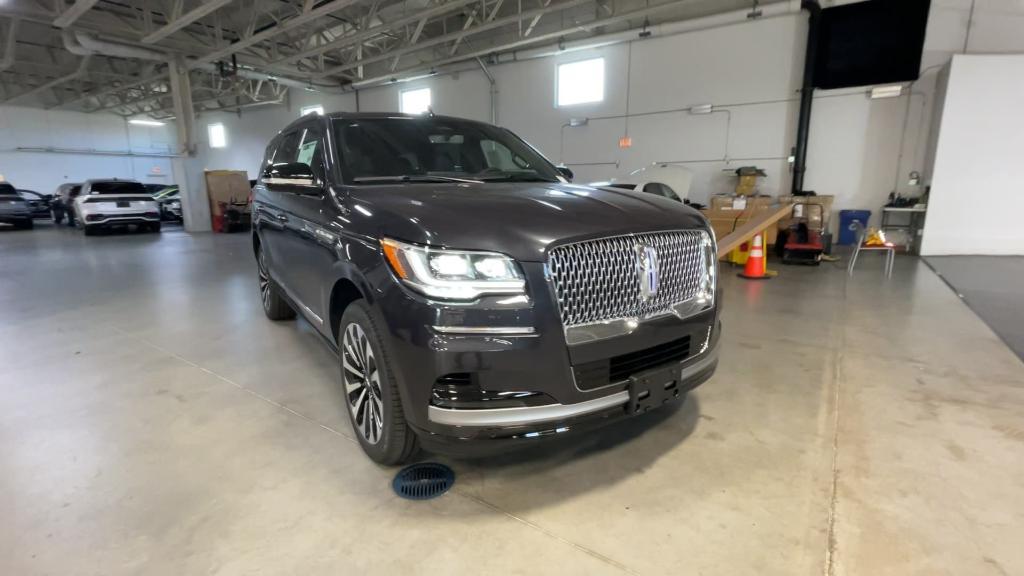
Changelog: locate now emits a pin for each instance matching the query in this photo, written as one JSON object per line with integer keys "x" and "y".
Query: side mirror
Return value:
{"x": 565, "y": 171}
{"x": 290, "y": 174}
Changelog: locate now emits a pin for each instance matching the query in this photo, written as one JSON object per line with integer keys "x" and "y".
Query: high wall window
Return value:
{"x": 218, "y": 135}
{"x": 581, "y": 82}
{"x": 317, "y": 108}
{"x": 415, "y": 101}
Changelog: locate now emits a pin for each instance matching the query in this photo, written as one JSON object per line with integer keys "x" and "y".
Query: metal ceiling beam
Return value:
{"x": 113, "y": 89}
{"x": 53, "y": 83}
{"x": 452, "y": 36}
{"x": 184, "y": 20}
{"x": 308, "y": 14}
{"x": 71, "y": 14}
{"x": 351, "y": 39}
{"x": 554, "y": 36}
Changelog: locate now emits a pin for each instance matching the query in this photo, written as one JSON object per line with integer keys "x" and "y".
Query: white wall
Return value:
{"x": 44, "y": 171}
{"x": 977, "y": 198}
{"x": 860, "y": 149}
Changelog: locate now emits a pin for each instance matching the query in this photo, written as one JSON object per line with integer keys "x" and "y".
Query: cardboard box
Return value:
{"x": 227, "y": 190}
{"x": 724, "y": 222}
{"x": 740, "y": 203}
{"x": 813, "y": 221}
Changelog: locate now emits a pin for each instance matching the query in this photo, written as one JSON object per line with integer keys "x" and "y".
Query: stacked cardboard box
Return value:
{"x": 727, "y": 213}
{"x": 816, "y": 220}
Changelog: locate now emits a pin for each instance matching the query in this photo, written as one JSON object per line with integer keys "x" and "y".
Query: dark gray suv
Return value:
{"x": 476, "y": 298}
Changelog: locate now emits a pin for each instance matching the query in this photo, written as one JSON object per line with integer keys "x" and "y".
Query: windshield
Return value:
{"x": 428, "y": 149}
{"x": 117, "y": 188}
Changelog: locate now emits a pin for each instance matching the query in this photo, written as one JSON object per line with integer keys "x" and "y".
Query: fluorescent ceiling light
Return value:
{"x": 887, "y": 91}
{"x": 142, "y": 122}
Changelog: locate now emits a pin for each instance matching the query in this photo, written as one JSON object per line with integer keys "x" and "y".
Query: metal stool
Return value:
{"x": 888, "y": 248}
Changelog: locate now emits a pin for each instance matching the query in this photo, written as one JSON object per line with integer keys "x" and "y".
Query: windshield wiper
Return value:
{"x": 413, "y": 178}
{"x": 514, "y": 177}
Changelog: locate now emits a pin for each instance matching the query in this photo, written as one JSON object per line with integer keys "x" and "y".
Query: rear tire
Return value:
{"x": 154, "y": 227}
{"x": 274, "y": 304}
{"x": 371, "y": 389}
{"x": 24, "y": 225}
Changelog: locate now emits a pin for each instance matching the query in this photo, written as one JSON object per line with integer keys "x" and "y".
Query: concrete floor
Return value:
{"x": 993, "y": 286}
{"x": 152, "y": 421}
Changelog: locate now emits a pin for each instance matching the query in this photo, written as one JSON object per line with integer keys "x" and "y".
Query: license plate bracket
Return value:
{"x": 652, "y": 388}
{"x": 124, "y": 204}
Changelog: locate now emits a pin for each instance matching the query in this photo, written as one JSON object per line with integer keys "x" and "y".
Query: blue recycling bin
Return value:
{"x": 846, "y": 217}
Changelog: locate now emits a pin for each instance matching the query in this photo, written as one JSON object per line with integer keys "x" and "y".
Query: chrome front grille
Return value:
{"x": 600, "y": 280}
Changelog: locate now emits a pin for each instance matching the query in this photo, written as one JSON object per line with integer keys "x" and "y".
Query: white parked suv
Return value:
{"x": 109, "y": 203}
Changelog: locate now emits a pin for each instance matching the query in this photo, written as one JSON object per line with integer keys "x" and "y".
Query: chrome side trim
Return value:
{"x": 524, "y": 415}
{"x": 289, "y": 181}
{"x": 484, "y": 330}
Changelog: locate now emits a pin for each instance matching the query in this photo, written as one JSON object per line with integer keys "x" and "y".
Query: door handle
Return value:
{"x": 281, "y": 218}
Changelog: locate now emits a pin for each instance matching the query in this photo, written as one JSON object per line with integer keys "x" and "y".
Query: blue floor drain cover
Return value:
{"x": 423, "y": 481}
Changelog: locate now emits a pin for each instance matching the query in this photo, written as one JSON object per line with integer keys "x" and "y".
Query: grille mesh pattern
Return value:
{"x": 599, "y": 280}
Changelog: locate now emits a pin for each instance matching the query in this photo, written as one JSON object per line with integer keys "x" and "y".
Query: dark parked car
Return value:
{"x": 61, "y": 206}
{"x": 38, "y": 203}
{"x": 13, "y": 208}
{"x": 475, "y": 297}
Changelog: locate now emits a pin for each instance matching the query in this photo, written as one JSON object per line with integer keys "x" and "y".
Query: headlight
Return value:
{"x": 453, "y": 274}
{"x": 706, "y": 294}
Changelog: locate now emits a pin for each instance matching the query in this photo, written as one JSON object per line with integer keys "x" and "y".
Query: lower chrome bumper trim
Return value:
{"x": 486, "y": 330}
{"x": 537, "y": 414}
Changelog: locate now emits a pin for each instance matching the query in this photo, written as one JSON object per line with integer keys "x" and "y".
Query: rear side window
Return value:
{"x": 7, "y": 190}
{"x": 117, "y": 188}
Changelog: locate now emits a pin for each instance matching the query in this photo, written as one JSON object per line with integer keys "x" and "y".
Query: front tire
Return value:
{"x": 274, "y": 304}
{"x": 58, "y": 217}
{"x": 25, "y": 224}
{"x": 154, "y": 227}
{"x": 91, "y": 230}
{"x": 371, "y": 390}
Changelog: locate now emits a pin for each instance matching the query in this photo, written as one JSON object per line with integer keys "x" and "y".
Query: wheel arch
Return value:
{"x": 344, "y": 292}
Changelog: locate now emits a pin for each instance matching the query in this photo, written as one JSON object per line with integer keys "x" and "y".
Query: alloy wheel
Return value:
{"x": 361, "y": 378}
{"x": 261, "y": 265}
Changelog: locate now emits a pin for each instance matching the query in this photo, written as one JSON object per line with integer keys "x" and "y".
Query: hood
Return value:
{"x": 521, "y": 220}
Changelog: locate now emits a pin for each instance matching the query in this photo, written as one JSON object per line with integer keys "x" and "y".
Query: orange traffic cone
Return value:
{"x": 755, "y": 269}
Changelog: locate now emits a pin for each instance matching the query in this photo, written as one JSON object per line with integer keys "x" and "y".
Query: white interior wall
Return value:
{"x": 860, "y": 149}
{"x": 101, "y": 133}
{"x": 975, "y": 203}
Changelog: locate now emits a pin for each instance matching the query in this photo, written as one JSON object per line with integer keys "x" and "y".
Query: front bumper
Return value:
{"x": 527, "y": 356}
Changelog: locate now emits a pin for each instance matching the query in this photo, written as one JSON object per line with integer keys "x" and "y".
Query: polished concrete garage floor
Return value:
{"x": 152, "y": 421}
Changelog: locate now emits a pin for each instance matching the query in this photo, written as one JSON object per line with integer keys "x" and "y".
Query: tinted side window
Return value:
{"x": 310, "y": 152}
{"x": 8, "y": 190}
{"x": 288, "y": 148}
{"x": 302, "y": 146}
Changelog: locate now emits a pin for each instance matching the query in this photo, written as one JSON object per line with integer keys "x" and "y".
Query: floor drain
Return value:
{"x": 423, "y": 481}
